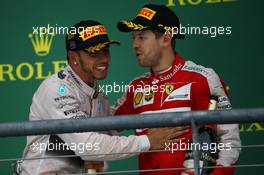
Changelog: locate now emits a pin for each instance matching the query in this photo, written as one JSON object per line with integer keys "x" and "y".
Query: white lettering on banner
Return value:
{"x": 25, "y": 71}
{"x": 172, "y": 3}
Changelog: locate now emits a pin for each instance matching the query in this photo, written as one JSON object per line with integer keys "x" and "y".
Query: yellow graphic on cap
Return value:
{"x": 169, "y": 88}
{"x": 92, "y": 31}
{"x": 41, "y": 43}
{"x": 133, "y": 25}
{"x": 146, "y": 13}
{"x": 96, "y": 48}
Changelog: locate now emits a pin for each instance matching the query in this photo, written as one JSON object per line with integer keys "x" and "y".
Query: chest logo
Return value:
{"x": 138, "y": 98}
{"x": 181, "y": 93}
{"x": 62, "y": 89}
{"x": 143, "y": 97}
{"x": 169, "y": 88}
{"x": 148, "y": 95}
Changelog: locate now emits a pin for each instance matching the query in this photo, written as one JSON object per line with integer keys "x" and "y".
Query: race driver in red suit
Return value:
{"x": 172, "y": 85}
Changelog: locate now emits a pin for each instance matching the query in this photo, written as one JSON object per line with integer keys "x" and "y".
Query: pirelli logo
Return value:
{"x": 146, "y": 13}
{"x": 93, "y": 31}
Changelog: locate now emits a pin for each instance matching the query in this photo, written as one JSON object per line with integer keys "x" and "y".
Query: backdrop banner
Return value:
{"x": 226, "y": 35}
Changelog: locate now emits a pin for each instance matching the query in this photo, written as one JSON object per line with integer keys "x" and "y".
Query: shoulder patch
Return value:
{"x": 213, "y": 80}
{"x": 61, "y": 75}
{"x": 192, "y": 67}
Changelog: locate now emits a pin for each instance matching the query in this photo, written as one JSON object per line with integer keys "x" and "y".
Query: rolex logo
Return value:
{"x": 41, "y": 43}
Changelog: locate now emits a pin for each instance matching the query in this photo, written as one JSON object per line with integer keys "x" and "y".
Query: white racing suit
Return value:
{"x": 62, "y": 96}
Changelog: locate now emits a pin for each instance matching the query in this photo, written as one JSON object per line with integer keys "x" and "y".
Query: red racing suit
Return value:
{"x": 185, "y": 86}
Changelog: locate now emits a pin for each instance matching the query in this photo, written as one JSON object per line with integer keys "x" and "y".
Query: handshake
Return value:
{"x": 157, "y": 139}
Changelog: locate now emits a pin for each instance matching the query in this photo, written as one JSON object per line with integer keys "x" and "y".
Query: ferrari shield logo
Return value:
{"x": 169, "y": 88}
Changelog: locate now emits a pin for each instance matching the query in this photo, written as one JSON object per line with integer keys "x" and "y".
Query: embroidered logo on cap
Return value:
{"x": 146, "y": 13}
{"x": 92, "y": 31}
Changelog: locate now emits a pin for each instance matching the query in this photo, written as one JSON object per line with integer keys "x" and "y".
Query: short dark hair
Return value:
{"x": 159, "y": 34}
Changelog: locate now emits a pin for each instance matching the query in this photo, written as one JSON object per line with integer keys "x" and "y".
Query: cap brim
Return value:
{"x": 134, "y": 25}
{"x": 128, "y": 26}
{"x": 114, "y": 42}
{"x": 101, "y": 45}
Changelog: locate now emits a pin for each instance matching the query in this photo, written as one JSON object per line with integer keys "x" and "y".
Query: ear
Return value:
{"x": 73, "y": 57}
{"x": 167, "y": 39}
